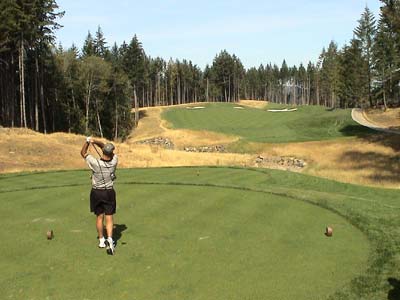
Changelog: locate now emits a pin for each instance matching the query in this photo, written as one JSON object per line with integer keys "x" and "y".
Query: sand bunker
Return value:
{"x": 282, "y": 110}
{"x": 195, "y": 107}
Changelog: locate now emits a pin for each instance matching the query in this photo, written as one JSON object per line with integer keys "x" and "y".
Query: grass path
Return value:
{"x": 308, "y": 123}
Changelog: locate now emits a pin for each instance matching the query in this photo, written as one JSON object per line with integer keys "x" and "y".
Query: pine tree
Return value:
{"x": 223, "y": 69}
{"x": 330, "y": 75}
{"x": 387, "y": 52}
{"x": 88, "y": 48}
{"x": 99, "y": 44}
{"x": 134, "y": 66}
{"x": 284, "y": 80}
{"x": 353, "y": 88}
{"x": 365, "y": 34}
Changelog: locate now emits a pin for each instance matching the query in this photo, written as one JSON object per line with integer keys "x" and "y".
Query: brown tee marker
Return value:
{"x": 50, "y": 234}
{"x": 329, "y": 231}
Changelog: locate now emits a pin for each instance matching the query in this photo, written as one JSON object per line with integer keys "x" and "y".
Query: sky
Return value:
{"x": 257, "y": 31}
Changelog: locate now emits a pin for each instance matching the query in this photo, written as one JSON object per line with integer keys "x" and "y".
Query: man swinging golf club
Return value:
{"x": 102, "y": 195}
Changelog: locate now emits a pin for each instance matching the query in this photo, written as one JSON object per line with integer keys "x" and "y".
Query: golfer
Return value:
{"x": 102, "y": 195}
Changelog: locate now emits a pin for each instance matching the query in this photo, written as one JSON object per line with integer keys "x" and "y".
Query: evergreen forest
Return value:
{"x": 94, "y": 90}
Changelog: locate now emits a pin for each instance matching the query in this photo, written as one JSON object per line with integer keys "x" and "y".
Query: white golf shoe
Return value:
{"x": 110, "y": 246}
{"x": 102, "y": 242}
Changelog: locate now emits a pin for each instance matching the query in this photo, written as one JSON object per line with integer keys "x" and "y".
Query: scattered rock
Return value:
{"x": 259, "y": 159}
{"x": 209, "y": 149}
{"x": 281, "y": 161}
{"x": 159, "y": 141}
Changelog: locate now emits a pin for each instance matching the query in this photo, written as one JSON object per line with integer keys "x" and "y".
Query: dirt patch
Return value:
{"x": 387, "y": 119}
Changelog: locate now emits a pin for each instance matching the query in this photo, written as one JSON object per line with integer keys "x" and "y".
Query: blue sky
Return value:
{"x": 256, "y": 31}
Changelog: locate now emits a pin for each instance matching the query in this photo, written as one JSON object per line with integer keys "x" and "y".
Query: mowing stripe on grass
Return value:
{"x": 258, "y": 245}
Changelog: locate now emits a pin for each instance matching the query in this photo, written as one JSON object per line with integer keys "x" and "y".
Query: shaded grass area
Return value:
{"x": 385, "y": 166}
{"x": 170, "y": 213}
{"x": 308, "y": 123}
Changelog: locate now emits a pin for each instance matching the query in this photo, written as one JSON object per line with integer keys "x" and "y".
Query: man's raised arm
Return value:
{"x": 98, "y": 143}
{"x": 85, "y": 147}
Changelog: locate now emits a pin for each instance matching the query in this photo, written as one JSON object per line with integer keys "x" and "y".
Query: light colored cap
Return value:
{"x": 108, "y": 149}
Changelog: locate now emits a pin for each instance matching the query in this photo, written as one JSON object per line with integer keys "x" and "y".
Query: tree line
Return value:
{"x": 93, "y": 90}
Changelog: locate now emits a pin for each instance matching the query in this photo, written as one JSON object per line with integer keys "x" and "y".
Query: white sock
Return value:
{"x": 102, "y": 239}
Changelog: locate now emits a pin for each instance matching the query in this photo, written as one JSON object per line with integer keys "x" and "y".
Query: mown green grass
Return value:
{"x": 199, "y": 233}
{"x": 308, "y": 123}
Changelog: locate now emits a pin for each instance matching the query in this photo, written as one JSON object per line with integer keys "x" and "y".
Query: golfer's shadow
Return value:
{"x": 117, "y": 232}
{"x": 394, "y": 293}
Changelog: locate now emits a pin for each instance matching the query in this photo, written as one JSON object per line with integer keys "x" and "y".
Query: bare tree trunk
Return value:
{"x": 53, "y": 109}
{"x": 42, "y": 100}
{"x": 69, "y": 109}
{"x": 36, "y": 95}
{"x": 22, "y": 83}
{"x": 384, "y": 90}
{"x": 294, "y": 93}
{"x": 207, "y": 99}
{"x": 237, "y": 92}
{"x": 14, "y": 100}
{"x": 229, "y": 89}
{"x": 116, "y": 119}
{"x": 184, "y": 92}
{"x": 158, "y": 89}
{"x": 369, "y": 78}
{"x": 136, "y": 107}
{"x": 98, "y": 118}
{"x": 225, "y": 96}
{"x": 171, "y": 93}
{"x": 384, "y": 98}
{"x": 87, "y": 102}
{"x": 178, "y": 88}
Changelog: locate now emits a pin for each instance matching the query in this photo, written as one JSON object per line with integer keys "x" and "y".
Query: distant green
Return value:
{"x": 308, "y": 123}
{"x": 199, "y": 233}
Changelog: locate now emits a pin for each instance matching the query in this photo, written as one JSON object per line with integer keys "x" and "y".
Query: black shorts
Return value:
{"x": 103, "y": 202}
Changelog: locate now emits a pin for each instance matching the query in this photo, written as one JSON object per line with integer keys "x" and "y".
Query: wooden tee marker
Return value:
{"x": 50, "y": 234}
{"x": 328, "y": 231}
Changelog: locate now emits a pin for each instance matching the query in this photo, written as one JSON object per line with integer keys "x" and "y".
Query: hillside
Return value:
{"x": 305, "y": 123}
{"x": 367, "y": 160}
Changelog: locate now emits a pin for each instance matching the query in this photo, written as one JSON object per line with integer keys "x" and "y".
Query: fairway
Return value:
{"x": 308, "y": 123}
{"x": 186, "y": 233}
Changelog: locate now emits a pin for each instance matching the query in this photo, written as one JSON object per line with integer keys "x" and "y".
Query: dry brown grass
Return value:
{"x": 254, "y": 103}
{"x": 26, "y": 150}
{"x": 369, "y": 161}
{"x": 151, "y": 125}
{"x": 386, "y": 119}
{"x": 354, "y": 160}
